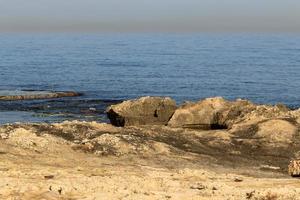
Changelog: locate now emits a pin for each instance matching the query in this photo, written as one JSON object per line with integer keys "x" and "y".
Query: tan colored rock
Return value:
{"x": 235, "y": 112}
{"x": 277, "y": 131}
{"x": 294, "y": 168}
{"x": 296, "y": 115}
{"x": 202, "y": 114}
{"x": 143, "y": 111}
{"x": 211, "y": 113}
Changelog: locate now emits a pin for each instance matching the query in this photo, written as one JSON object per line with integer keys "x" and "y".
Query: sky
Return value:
{"x": 150, "y": 15}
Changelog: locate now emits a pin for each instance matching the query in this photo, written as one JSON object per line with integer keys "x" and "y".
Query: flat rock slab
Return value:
{"x": 31, "y": 95}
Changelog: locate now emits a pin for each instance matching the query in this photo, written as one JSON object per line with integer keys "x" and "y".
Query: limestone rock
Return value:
{"x": 203, "y": 114}
{"x": 143, "y": 111}
{"x": 294, "y": 168}
{"x": 276, "y": 130}
{"x": 211, "y": 113}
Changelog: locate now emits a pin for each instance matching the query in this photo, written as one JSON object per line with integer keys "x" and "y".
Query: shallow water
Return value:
{"x": 264, "y": 68}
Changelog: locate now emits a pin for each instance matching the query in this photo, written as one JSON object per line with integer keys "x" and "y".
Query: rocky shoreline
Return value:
{"x": 154, "y": 149}
{"x": 31, "y": 95}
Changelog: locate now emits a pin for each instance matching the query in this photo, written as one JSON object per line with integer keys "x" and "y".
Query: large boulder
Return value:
{"x": 143, "y": 111}
{"x": 203, "y": 114}
{"x": 217, "y": 113}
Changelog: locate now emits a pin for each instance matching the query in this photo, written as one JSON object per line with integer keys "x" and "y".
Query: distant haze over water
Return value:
{"x": 264, "y": 68}
{"x": 150, "y": 16}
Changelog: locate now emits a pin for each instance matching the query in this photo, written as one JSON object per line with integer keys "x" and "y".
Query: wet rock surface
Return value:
{"x": 30, "y": 95}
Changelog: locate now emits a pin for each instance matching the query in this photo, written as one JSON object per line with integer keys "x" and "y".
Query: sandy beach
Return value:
{"x": 90, "y": 160}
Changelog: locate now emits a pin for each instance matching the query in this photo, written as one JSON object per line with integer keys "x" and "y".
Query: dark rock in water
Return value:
{"x": 143, "y": 111}
{"x": 30, "y": 95}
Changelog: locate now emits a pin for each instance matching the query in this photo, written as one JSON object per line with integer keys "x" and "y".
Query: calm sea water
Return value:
{"x": 264, "y": 68}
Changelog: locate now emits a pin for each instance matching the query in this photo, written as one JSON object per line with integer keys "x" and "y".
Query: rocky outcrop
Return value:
{"x": 218, "y": 113}
{"x": 30, "y": 95}
{"x": 210, "y": 113}
{"x": 203, "y": 114}
{"x": 143, "y": 111}
{"x": 271, "y": 124}
{"x": 238, "y": 116}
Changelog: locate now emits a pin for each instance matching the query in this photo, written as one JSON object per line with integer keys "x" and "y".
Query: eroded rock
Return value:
{"x": 143, "y": 111}
{"x": 294, "y": 168}
{"x": 210, "y": 113}
{"x": 203, "y": 114}
{"x": 277, "y": 130}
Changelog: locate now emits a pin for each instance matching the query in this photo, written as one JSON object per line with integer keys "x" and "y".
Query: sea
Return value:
{"x": 108, "y": 68}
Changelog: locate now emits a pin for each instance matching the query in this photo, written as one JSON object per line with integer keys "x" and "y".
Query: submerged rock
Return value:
{"x": 143, "y": 111}
{"x": 30, "y": 95}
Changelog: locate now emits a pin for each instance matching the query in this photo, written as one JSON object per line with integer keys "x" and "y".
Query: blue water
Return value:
{"x": 264, "y": 68}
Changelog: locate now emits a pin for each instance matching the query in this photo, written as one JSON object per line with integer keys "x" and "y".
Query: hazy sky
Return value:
{"x": 150, "y": 15}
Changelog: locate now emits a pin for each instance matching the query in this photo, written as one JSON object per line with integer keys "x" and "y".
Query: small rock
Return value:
{"x": 85, "y": 141}
{"x": 198, "y": 186}
{"x": 294, "y": 168}
{"x": 4, "y": 136}
{"x": 93, "y": 109}
{"x": 214, "y": 188}
{"x": 249, "y": 195}
{"x": 238, "y": 179}
{"x": 4, "y": 169}
{"x": 59, "y": 190}
{"x": 77, "y": 141}
{"x": 49, "y": 176}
